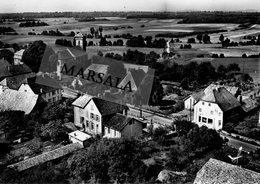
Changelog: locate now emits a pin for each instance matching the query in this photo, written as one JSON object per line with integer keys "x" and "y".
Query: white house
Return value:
{"x": 96, "y": 116}
{"x": 79, "y": 39}
{"x": 195, "y": 97}
{"x": 89, "y": 113}
{"x": 215, "y": 107}
{"x": 18, "y": 57}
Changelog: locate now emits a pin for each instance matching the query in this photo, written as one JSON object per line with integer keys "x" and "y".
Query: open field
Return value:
{"x": 140, "y": 26}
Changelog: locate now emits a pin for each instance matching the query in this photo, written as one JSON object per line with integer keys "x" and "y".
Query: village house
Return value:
{"x": 195, "y": 97}
{"x": 17, "y": 100}
{"x": 216, "y": 107}
{"x": 48, "y": 89}
{"x": 18, "y": 57}
{"x": 96, "y": 116}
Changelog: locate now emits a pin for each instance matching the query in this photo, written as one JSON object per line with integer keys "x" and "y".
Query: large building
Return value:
{"x": 216, "y": 107}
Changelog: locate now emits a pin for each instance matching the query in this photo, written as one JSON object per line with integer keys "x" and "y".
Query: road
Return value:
{"x": 237, "y": 144}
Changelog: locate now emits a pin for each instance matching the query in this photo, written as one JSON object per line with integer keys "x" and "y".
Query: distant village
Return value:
{"x": 225, "y": 108}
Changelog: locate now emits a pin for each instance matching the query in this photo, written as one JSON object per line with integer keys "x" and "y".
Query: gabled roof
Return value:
{"x": 108, "y": 107}
{"x": 98, "y": 68}
{"x": 116, "y": 121}
{"x": 8, "y": 70}
{"x": 250, "y": 104}
{"x": 82, "y": 101}
{"x": 105, "y": 107}
{"x": 126, "y": 79}
{"x": 79, "y": 34}
{"x": 222, "y": 97}
{"x": 219, "y": 172}
{"x": 20, "y": 52}
{"x": 198, "y": 95}
{"x": 70, "y": 53}
{"x": 43, "y": 84}
{"x": 15, "y": 82}
{"x": 17, "y": 100}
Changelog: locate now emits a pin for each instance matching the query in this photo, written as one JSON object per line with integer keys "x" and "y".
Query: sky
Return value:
{"x": 12, "y": 6}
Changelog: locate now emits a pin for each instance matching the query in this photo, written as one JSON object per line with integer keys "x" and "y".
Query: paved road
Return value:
{"x": 237, "y": 144}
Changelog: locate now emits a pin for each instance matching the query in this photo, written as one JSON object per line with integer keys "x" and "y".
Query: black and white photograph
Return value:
{"x": 130, "y": 92}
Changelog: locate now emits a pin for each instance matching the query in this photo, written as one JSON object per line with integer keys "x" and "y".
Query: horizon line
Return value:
{"x": 250, "y": 11}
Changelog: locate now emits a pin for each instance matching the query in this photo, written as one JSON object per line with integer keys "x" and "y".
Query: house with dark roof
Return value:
{"x": 44, "y": 86}
{"x": 119, "y": 125}
{"x": 192, "y": 99}
{"x": 216, "y": 107}
{"x": 219, "y": 172}
{"x": 8, "y": 70}
{"x": 97, "y": 116}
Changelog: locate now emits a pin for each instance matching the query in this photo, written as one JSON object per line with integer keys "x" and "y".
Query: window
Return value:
{"x": 87, "y": 123}
{"x": 210, "y": 121}
{"x": 199, "y": 109}
{"x": 53, "y": 93}
{"x": 108, "y": 130}
{"x": 219, "y": 122}
{"x": 209, "y": 104}
{"x": 92, "y": 107}
{"x": 199, "y": 118}
{"x": 211, "y": 112}
{"x": 115, "y": 133}
{"x": 97, "y": 117}
{"x": 92, "y": 126}
{"x": 81, "y": 120}
{"x": 97, "y": 127}
{"x": 202, "y": 103}
{"x": 91, "y": 115}
{"x": 204, "y": 120}
{"x": 219, "y": 113}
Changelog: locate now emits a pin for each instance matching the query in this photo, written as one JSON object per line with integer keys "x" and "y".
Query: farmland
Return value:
{"x": 145, "y": 27}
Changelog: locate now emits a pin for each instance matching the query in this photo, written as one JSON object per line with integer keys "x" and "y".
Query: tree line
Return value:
{"x": 33, "y": 24}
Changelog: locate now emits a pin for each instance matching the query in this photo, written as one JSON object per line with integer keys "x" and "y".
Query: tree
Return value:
{"x": 183, "y": 126}
{"x": 103, "y": 41}
{"x": 92, "y": 31}
{"x": 33, "y": 55}
{"x": 191, "y": 40}
{"x": 206, "y": 38}
{"x": 199, "y": 37}
{"x": 109, "y": 159}
{"x": 156, "y": 92}
{"x": 54, "y": 131}
{"x": 226, "y": 43}
{"x": 233, "y": 67}
{"x": 221, "y": 38}
{"x": 206, "y": 73}
{"x": 100, "y": 30}
{"x": 7, "y": 55}
{"x": 244, "y": 56}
